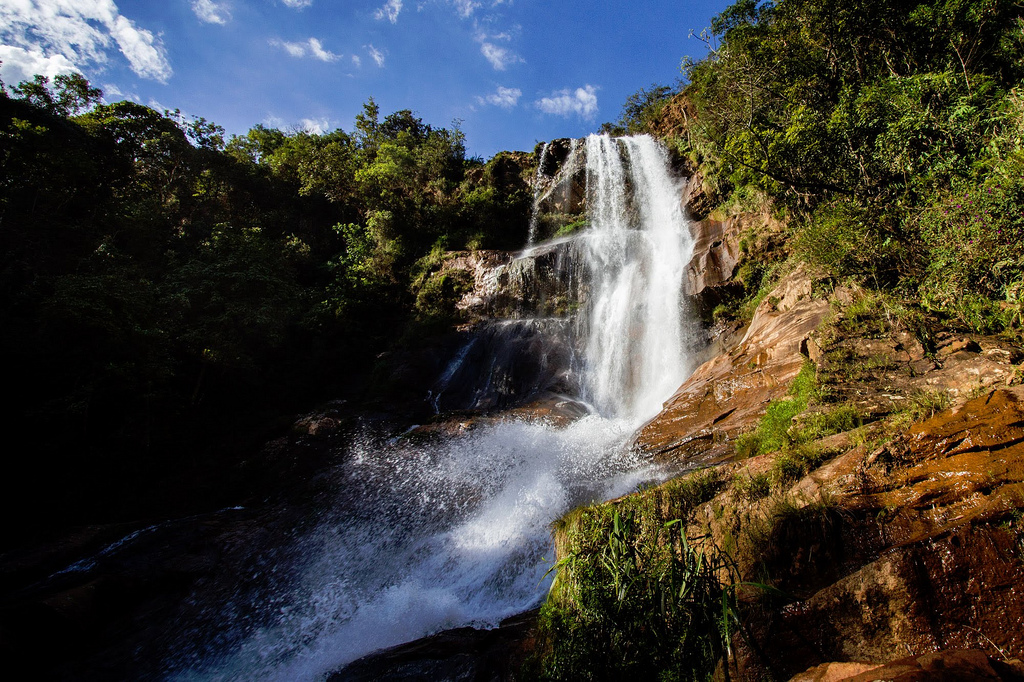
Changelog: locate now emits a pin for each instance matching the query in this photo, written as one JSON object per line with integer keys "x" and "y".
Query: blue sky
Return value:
{"x": 514, "y": 72}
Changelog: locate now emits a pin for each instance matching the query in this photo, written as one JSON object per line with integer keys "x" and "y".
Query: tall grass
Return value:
{"x": 633, "y": 596}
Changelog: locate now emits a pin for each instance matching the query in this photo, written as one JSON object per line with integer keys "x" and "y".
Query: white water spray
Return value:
{"x": 432, "y": 535}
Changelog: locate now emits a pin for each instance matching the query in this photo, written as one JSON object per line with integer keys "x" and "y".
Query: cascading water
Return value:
{"x": 537, "y": 193}
{"x": 635, "y": 253}
{"x": 430, "y": 534}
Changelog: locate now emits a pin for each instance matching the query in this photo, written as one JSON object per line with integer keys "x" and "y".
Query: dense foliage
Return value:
{"x": 888, "y": 132}
{"x": 163, "y": 293}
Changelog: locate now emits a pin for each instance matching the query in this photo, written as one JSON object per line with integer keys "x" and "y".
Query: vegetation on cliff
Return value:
{"x": 887, "y": 134}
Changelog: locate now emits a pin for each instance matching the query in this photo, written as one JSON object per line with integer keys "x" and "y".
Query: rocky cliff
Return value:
{"x": 888, "y": 524}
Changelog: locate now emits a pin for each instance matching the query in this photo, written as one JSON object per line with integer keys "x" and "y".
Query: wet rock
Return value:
{"x": 555, "y": 409}
{"x": 461, "y": 654}
{"x": 128, "y": 606}
{"x": 560, "y": 187}
{"x": 322, "y": 422}
{"x": 534, "y": 283}
{"x": 505, "y": 363}
{"x": 926, "y": 553}
{"x": 481, "y": 266}
{"x": 834, "y": 672}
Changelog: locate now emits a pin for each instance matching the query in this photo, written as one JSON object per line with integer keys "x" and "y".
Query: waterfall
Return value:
{"x": 636, "y": 253}
{"x": 537, "y": 193}
{"x": 427, "y": 534}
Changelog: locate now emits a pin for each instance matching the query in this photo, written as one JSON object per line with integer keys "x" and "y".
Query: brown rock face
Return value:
{"x": 729, "y": 393}
{"x": 709, "y": 275}
{"x": 924, "y": 554}
{"x": 716, "y": 252}
{"x": 698, "y": 201}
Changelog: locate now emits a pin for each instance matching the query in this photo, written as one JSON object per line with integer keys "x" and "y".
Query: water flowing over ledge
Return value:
{"x": 430, "y": 533}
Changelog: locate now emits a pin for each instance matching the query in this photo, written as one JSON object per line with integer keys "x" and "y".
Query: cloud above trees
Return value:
{"x": 51, "y": 32}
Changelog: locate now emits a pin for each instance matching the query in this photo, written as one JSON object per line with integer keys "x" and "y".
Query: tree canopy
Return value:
{"x": 162, "y": 287}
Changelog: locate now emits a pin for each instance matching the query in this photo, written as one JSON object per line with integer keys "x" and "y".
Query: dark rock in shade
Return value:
{"x": 462, "y": 654}
{"x": 561, "y": 187}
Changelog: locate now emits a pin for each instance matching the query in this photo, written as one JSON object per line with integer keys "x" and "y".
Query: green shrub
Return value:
{"x": 975, "y": 240}
{"x": 572, "y": 228}
{"x": 773, "y": 431}
{"x": 792, "y": 463}
{"x": 754, "y": 487}
{"x": 440, "y": 292}
{"x": 836, "y": 420}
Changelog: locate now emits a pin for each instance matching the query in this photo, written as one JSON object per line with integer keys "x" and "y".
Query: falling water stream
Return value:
{"x": 537, "y": 193}
{"x": 434, "y": 534}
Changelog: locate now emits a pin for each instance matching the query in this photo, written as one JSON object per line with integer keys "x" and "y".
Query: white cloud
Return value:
{"x": 389, "y": 11}
{"x": 273, "y": 121}
{"x": 376, "y": 54}
{"x": 137, "y": 45}
{"x": 112, "y": 93}
{"x": 356, "y": 61}
{"x": 582, "y": 102}
{"x": 317, "y": 126}
{"x": 211, "y": 12}
{"x": 82, "y": 32}
{"x": 308, "y": 48}
{"x": 21, "y": 65}
{"x": 506, "y": 98}
{"x": 316, "y": 49}
{"x": 465, "y": 8}
{"x": 298, "y": 4}
{"x": 499, "y": 57}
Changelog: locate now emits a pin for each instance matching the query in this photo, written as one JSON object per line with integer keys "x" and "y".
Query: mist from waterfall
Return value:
{"x": 432, "y": 534}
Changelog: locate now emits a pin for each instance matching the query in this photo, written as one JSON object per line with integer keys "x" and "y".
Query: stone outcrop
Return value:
{"x": 697, "y": 198}
{"x": 560, "y": 188}
{"x": 914, "y": 546}
{"x": 952, "y": 666}
{"x": 710, "y": 272}
{"x": 902, "y": 554}
{"x": 716, "y": 252}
